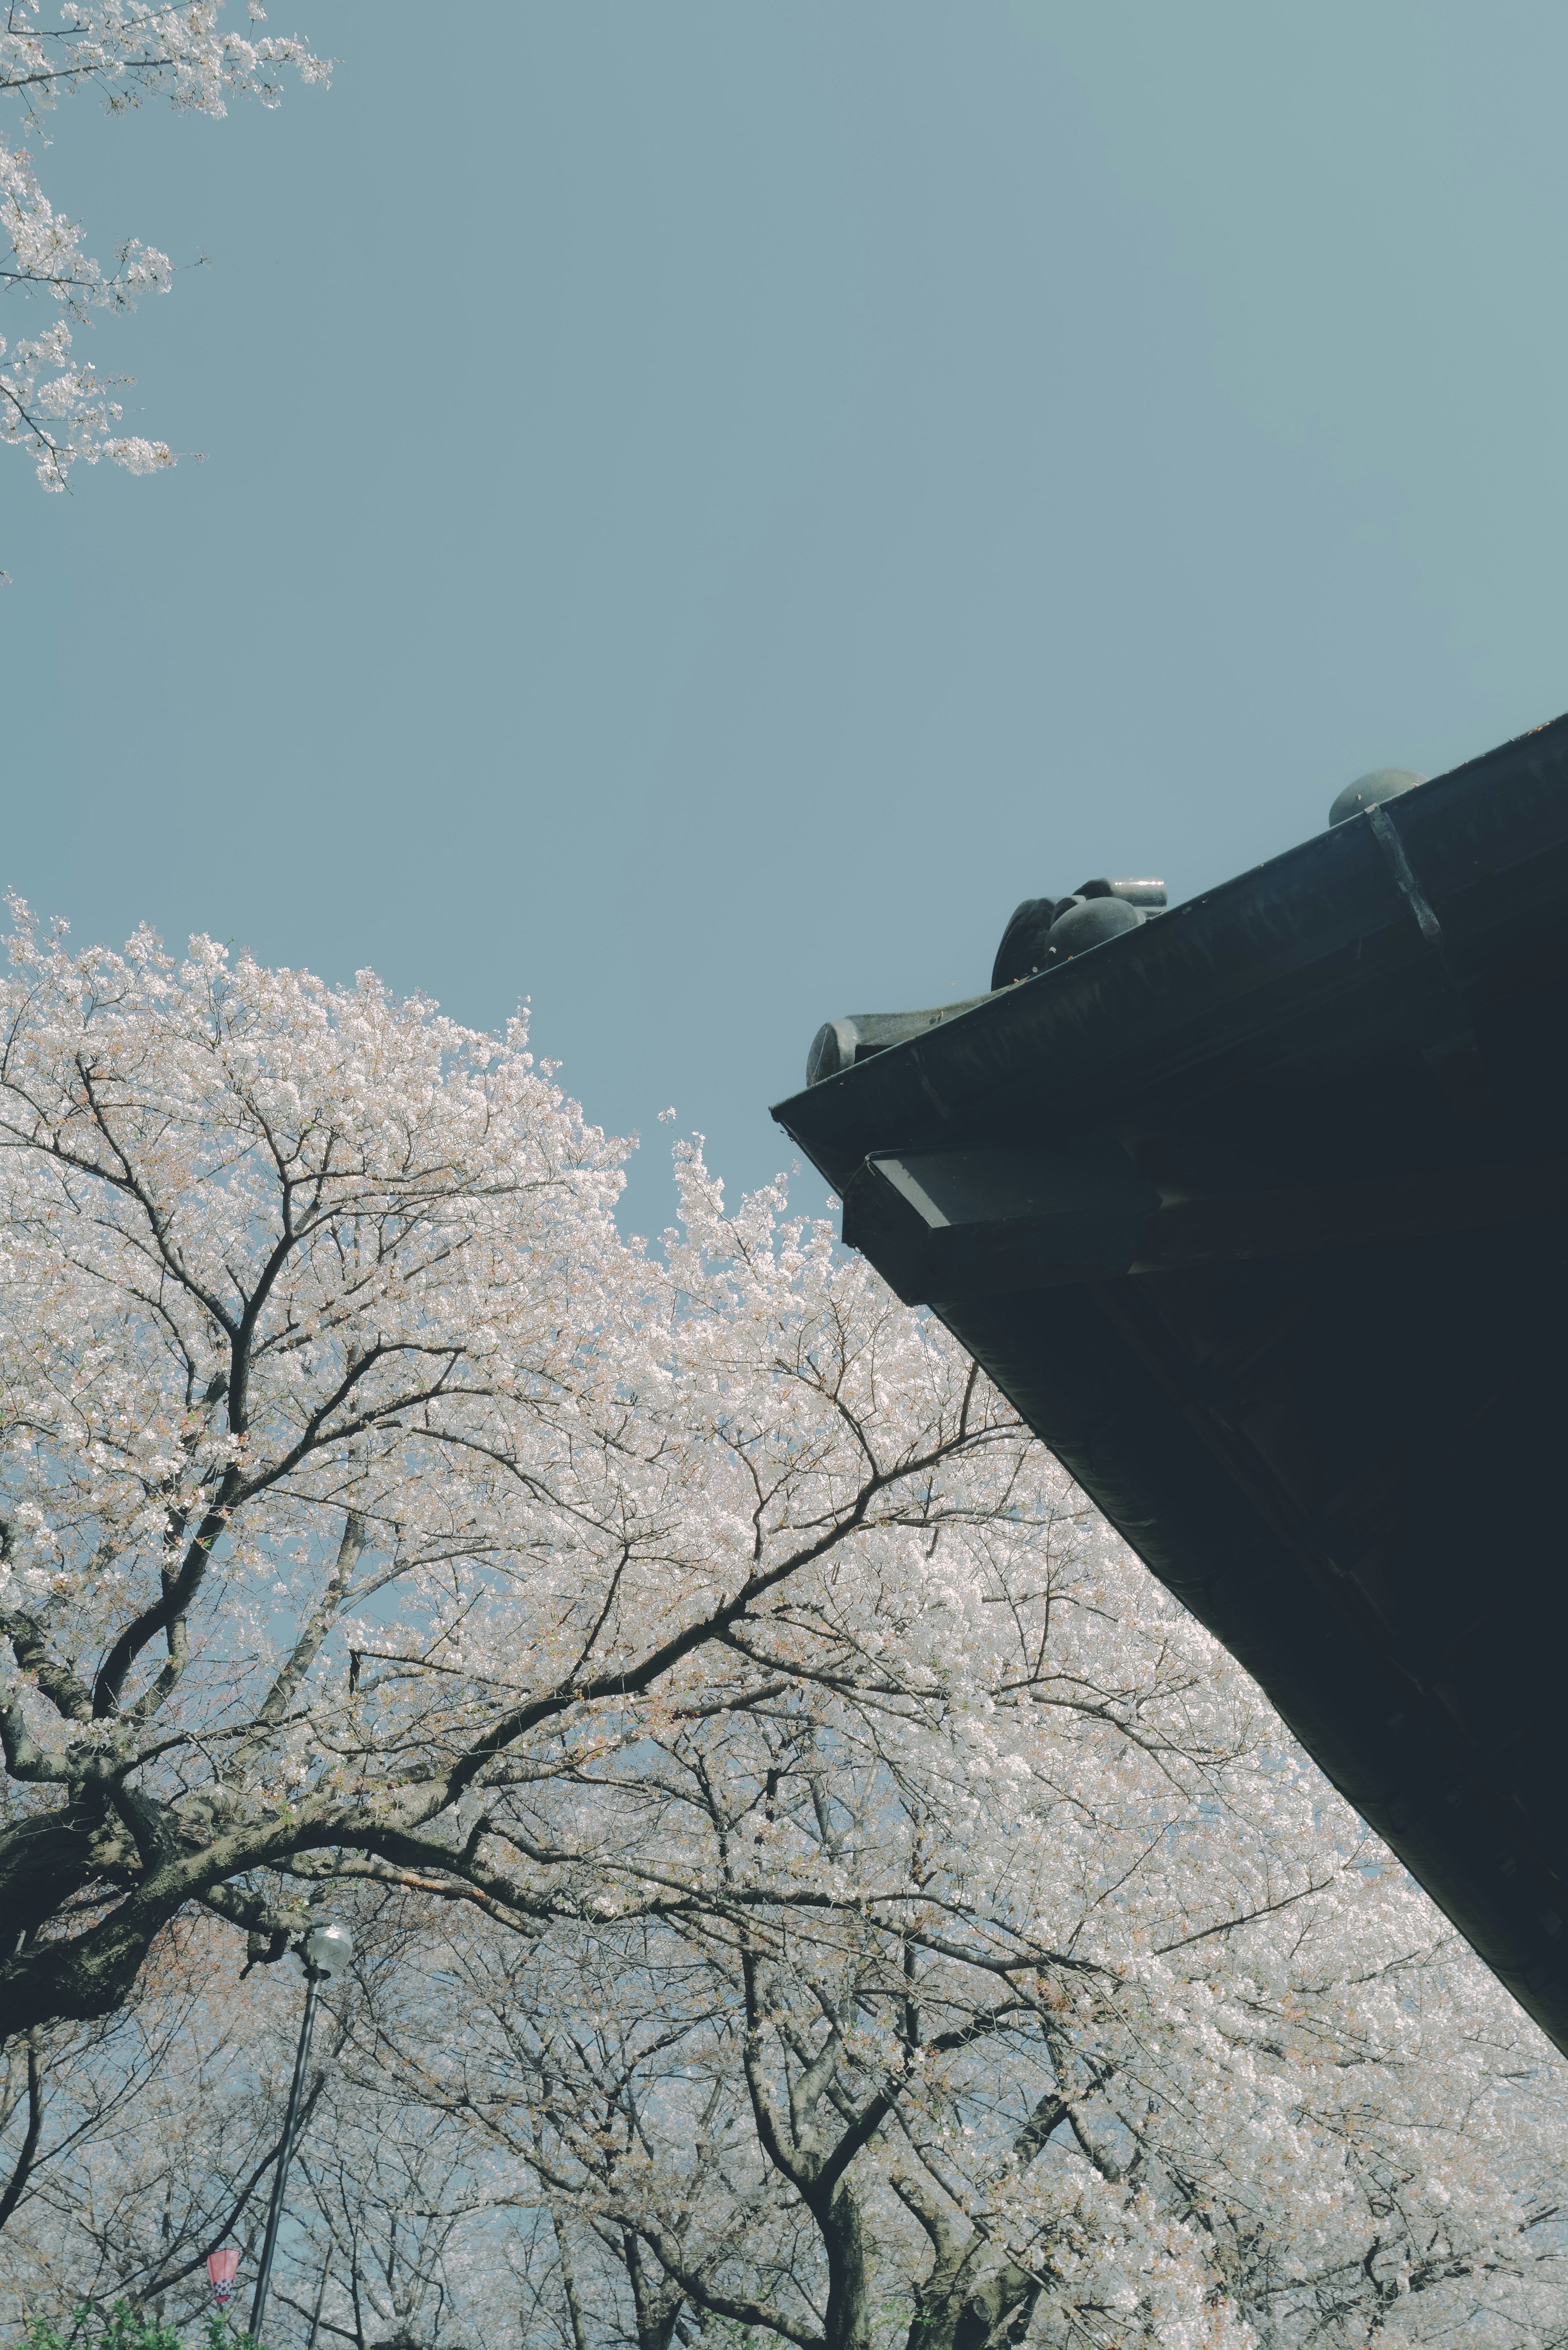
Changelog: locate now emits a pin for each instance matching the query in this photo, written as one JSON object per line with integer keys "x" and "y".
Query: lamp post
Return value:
{"x": 328, "y": 1946}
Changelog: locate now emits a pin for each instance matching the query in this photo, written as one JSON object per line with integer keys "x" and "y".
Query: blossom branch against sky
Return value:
{"x": 120, "y": 52}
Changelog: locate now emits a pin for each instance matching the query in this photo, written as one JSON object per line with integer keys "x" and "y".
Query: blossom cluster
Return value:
{"x": 62, "y": 411}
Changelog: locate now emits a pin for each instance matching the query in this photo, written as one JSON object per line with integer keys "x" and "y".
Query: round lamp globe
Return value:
{"x": 328, "y": 1947}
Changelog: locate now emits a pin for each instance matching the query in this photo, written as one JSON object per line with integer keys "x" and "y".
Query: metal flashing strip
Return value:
{"x": 1386, "y": 833}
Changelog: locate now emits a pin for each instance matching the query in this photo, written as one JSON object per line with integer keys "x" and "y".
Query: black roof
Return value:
{"x": 1259, "y": 1214}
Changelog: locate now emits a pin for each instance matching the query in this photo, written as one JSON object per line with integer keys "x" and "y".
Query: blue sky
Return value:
{"x": 706, "y": 506}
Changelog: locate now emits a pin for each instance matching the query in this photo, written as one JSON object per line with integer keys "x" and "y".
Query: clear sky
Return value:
{"x": 706, "y": 505}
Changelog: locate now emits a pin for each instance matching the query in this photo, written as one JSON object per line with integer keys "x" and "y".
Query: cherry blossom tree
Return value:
{"x": 1157, "y": 2048}
{"x": 357, "y": 1475}
{"x": 1086, "y": 2014}
{"x": 813, "y": 1882}
{"x": 121, "y": 52}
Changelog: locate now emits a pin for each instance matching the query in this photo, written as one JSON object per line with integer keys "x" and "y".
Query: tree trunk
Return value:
{"x": 847, "y": 2323}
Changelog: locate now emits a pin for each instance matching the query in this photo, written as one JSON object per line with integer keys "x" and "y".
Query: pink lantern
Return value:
{"x": 222, "y": 2267}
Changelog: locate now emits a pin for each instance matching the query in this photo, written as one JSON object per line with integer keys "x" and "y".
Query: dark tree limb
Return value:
{"x": 21, "y": 2170}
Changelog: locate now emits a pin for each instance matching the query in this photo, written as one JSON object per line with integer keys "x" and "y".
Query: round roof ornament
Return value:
{"x": 1370, "y": 791}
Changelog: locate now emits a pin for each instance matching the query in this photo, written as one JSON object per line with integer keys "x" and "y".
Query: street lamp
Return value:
{"x": 328, "y": 1946}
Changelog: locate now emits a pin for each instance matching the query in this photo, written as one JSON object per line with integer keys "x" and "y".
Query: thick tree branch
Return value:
{"x": 21, "y": 2170}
